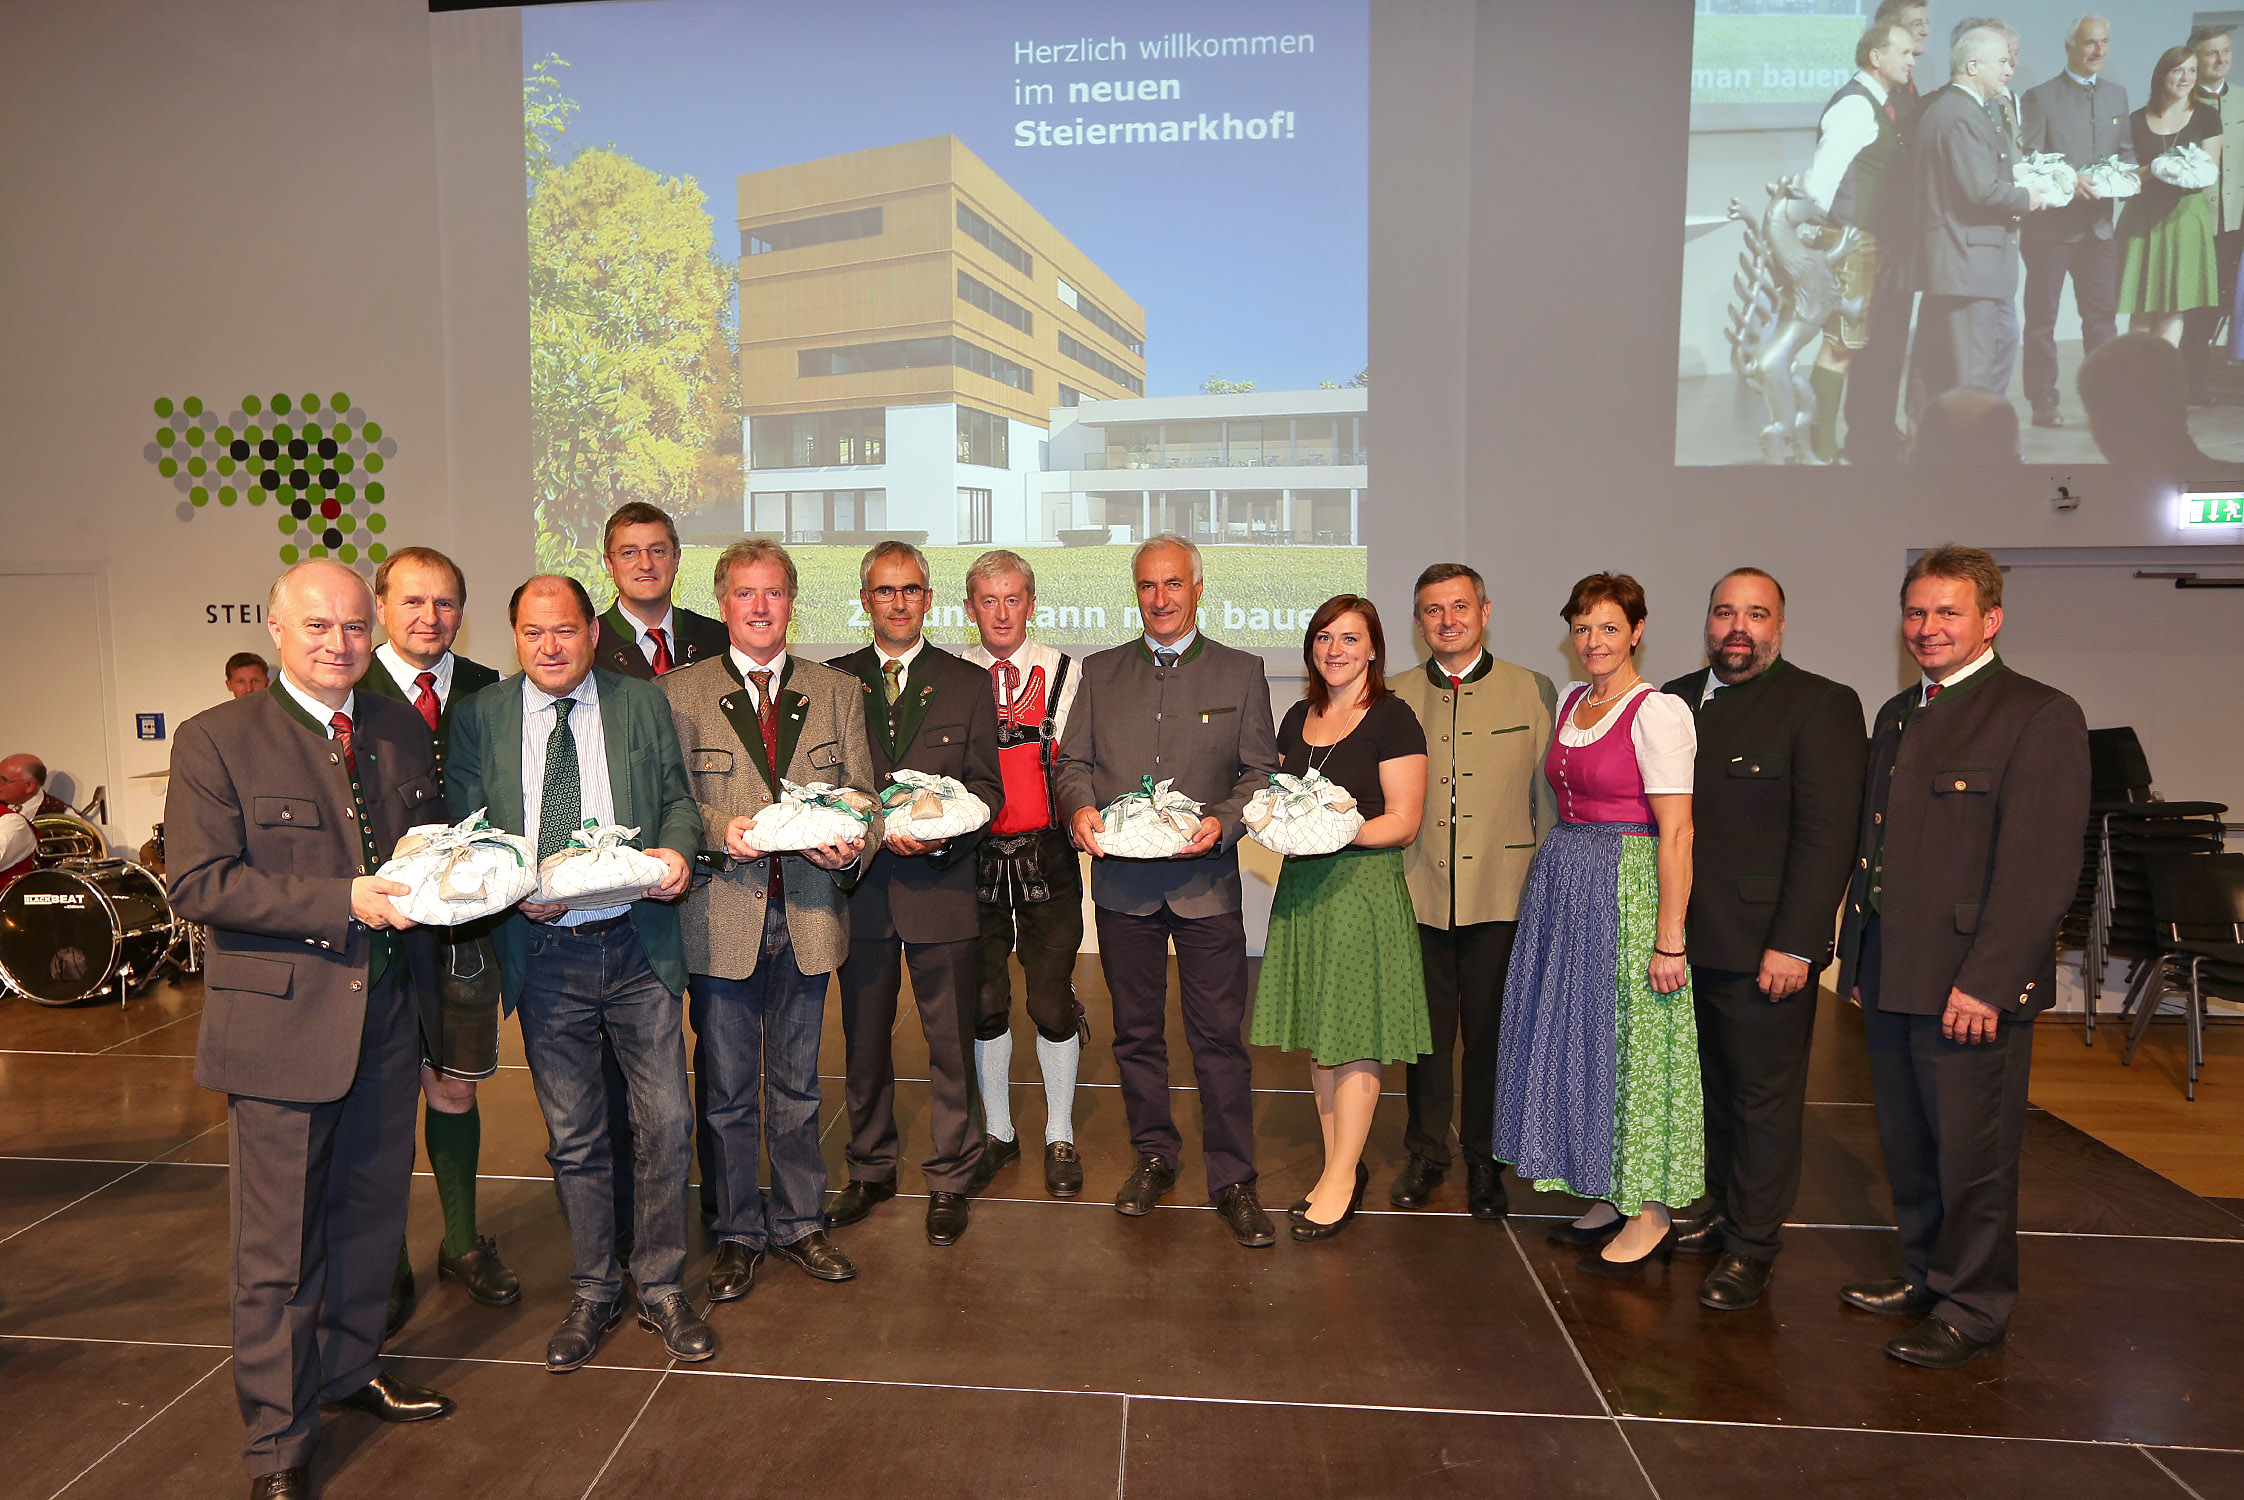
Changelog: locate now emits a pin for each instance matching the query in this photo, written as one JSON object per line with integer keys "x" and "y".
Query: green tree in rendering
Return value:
{"x": 634, "y": 376}
{"x": 1216, "y": 385}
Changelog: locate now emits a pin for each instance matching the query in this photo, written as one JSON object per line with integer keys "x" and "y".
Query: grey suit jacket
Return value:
{"x": 262, "y": 850}
{"x": 1968, "y": 208}
{"x": 1203, "y": 723}
{"x": 2081, "y": 125}
{"x": 821, "y": 738}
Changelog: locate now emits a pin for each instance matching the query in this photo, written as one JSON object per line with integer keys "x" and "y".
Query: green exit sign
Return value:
{"x": 2213, "y": 510}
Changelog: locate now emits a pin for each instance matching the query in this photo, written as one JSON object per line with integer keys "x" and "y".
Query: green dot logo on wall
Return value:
{"x": 316, "y": 460}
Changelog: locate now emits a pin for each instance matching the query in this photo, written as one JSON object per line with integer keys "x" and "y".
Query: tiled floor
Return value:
{"x": 1060, "y": 1350}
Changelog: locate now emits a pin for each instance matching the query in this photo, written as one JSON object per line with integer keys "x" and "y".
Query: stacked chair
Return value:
{"x": 2112, "y": 914}
{"x": 2197, "y": 909}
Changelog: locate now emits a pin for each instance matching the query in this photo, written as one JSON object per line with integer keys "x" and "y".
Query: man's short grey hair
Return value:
{"x": 891, "y": 548}
{"x": 1986, "y": 39}
{"x": 2072, "y": 33}
{"x": 280, "y": 585}
{"x": 1000, "y": 562}
{"x": 1169, "y": 539}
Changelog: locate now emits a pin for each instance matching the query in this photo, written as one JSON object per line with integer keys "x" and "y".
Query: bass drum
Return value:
{"x": 84, "y": 929}
{"x": 66, "y": 836}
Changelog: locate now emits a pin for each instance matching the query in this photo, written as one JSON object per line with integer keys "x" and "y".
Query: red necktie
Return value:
{"x": 341, "y": 724}
{"x": 424, "y": 698}
{"x": 1891, "y": 113}
{"x": 767, "y": 719}
{"x": 1932, "y": 691}
{"x": 1006, "y": 678}
{"x": 1456, "y": 682}
{"x": 661, "y": 652}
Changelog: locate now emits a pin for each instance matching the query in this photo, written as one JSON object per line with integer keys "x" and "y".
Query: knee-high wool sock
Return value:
{"x": 993, "y": 1065}
{"x": 455, "y": 1145}
{"x": 1829, "y": 387}
{"x": 1058, "y": 1061}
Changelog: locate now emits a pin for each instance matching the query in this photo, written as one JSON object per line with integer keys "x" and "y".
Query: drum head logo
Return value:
{"x": 317, "y": 461}
{"x": 68, "y": 966}
{"x": 70, "y": 899}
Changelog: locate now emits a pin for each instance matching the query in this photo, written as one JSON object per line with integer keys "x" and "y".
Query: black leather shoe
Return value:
{"x": 282, "y": 1484}
{"x": 1892, "y": 1299}
{"x": 734, "y": 1274}
{"x": 401, "y": 1302}
{"x": 684, "y": 1332}
{"x": 1063, "y": 1169}
{"x": 1575, "y": 1238}
{"x": 1309, "y": 1231}
{"x": 1415, "y": 1183}
{"x": 481, "y": 1274}
{"x": 1484, "y": 1191}
{"x": 386, "y": 1398}
{"x": 1934, "y": 1345}
{"x": 1705, "y": 1237}
{"x": 946, "y": 1217}
{"x": 578, "y": 1338}
{"x": 818, "y": 1256}
{"x": 1147, "y": 1186}
{"x": 857, "y": 1200}
{"x": 2050, "y": 418}
{"x": 1596, "y": 1262}
{"x": 1735, "y": 1283}
{"x": 996, "y": 1156}
{"x": 1241, "y": 1207}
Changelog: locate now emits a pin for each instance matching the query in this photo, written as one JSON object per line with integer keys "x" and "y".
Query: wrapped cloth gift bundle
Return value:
{"x": 929, "y": 808}
{"x": 596, "y": 868}
{"x": 2186, "y": 167}
{"x": 461, "y": 871}
{"x": 1153, "y": 823}
{"x": 2049, "y": 171}
{"x": 1306, "y": 814}
{"x": 2112, "y": 178}
{"x": 811, "y": 817}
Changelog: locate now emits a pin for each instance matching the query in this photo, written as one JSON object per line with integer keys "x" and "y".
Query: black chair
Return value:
{"x": 2197, "y": 902}
{"x": 2128, "y": 825}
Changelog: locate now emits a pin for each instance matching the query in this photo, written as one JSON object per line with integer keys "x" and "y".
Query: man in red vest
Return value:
{"x": 1028, "y": 882}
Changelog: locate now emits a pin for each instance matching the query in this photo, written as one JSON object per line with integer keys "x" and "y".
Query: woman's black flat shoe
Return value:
{"x": 1308, "y": 1230}
{"x": 1621, "y": 1270}
{"x": 1568, "y": 1234}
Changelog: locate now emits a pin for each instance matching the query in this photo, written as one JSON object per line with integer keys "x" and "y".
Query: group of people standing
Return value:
{"x": 1616, "y": 898}
{"x": 1922, "y": 172}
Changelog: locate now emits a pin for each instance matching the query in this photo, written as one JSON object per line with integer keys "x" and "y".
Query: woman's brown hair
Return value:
{"x": 1318, "y": 692}
{"x": 1607, "y": 588}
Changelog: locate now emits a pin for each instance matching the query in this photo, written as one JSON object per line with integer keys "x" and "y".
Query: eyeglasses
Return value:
{"x": 629, "y": 556}
{"x": 911, "y": 593}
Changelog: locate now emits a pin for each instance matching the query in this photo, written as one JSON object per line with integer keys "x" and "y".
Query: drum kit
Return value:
{"x": 81, "y": 925}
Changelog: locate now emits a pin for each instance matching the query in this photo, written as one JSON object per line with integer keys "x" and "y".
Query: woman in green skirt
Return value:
{"x": 2166, "y": 264}
{"x": 1341, "y": 975}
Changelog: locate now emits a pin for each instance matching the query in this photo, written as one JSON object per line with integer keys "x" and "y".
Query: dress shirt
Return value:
{"x": 1847, "y": 127}
{"x": 595, "y": 797}
{"x": 1179, "y": 647}
{"x": 745, "y": 664}
{"x": 1986, "y": 655}
{"x": 408, "y": 676}
{"x": 2086, "y": 83}
{"x": 320, "y": 712}
{"x": 644, "y": 633}
{"x": 18, "y": 840}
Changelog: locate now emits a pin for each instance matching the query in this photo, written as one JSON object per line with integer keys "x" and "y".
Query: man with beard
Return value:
{"x": 1778, "y": 793}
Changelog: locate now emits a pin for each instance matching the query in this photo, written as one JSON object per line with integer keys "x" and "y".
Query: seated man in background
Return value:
{"x": 2136, "y": 391}
{"x": 1966, "y": 428}
{"x": 23, "y": 786}
{"x": 247, "y": 673}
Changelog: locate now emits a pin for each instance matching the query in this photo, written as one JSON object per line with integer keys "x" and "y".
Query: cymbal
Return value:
{"x": 151, "y": 775}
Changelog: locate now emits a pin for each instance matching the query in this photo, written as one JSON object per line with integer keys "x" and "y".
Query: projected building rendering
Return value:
{"x": 908, "y": 325}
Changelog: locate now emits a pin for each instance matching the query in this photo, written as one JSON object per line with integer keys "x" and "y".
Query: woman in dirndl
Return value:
{"x": 1597, "y": 1083}
{"x": 2165, "y": 233}
{"x": 1341, "y": 975}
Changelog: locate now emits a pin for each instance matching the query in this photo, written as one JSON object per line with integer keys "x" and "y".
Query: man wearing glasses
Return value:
{"x": 925, "y": 710}
{"x": 643, "y": 634}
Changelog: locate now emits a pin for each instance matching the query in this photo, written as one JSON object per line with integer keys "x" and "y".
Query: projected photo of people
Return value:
{"x": 964, "y": 277}
{"x": 1896, "y": 208}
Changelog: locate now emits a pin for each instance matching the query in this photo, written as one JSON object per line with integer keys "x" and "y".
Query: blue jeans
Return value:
{"x": 758, "y": 1043}
{"x": 582, "y": 981}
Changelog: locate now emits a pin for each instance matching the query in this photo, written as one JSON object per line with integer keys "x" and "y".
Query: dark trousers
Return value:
{"x": 1951, "y": 1120}
{"x": 944, "y": 983}
{"x": 1047, "y": 935}
{"x": 756, "y": 1040}
{"x": 2200, "y": 323}
{"x": 1212, "y": 983}
{"x": 317, "y": 1198}
{"x": 1465, "y": 969}
{"x": 1753, "y": 1063}
{"x": 583, "y": 983}
{"x": 1965, "y": 341}
{"x": 1874, "y": 375}
{"x": 2093, "y": 265}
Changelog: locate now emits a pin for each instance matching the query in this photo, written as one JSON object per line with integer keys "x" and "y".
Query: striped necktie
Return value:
{"x": 561, "y": 804}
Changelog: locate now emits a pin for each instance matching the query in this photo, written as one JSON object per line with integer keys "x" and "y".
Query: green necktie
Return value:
{"x": 893, "y": 672}
{"x": 560, "y": 806}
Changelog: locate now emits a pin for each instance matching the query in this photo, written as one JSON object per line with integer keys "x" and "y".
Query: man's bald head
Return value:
{"x": 321, "y": 617}
{"x": 22, "y": 779}
{"x": 321, "y": 572}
